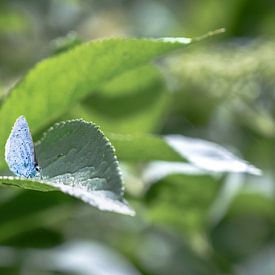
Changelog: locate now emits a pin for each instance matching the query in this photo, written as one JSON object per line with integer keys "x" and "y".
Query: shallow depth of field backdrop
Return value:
{"x": 193, "y": 215}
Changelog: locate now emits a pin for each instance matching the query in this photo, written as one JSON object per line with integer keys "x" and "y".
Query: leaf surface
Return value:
{"x": 54, "y": 85}
{"x": 134, "y": 102}
{"x": 209, "y": 155}
{"x": 77, "y": 159}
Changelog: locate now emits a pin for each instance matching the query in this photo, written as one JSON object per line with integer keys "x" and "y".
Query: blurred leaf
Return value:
{"x": 92, "y": 258}
{"x": 12, "y": 21}
{"x": 158, "y": 170}
{"x": 209, "y": 156}
{"x": 153, "y": 249}
{"x": 135, "y": 101}
{"x": 143, "y": 147}
{"x": 206, "y": 156}
{"x": 262, "y": 262}
{"x": 246, "y": 228}
{"x": 182, "y": 201}
{"x": 59, "y": 82}
{"x": 64, "y": 43}
{"x": 29, "y": 210}
{"x": 232, "y": 79}
{"x": 163, "y": 252}
{"x": 36, "y": 238}
{"x": 77, "y": 159}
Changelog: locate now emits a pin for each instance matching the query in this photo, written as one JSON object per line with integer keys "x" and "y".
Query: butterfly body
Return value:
{"x": 19, "y": 150}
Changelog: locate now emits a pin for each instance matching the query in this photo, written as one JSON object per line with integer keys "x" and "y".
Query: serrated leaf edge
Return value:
{"x": 97, "y": 128}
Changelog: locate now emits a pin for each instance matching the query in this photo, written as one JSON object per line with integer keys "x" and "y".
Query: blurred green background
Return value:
{"x": 221, "y": 89}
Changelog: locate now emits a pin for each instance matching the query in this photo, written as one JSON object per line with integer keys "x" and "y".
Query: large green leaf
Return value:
{"x": 143, "y": 148}
{"x": 204, "y": 156}
{"x": 209, "y": 156}
{"x": 77, "y": 159}
{"x": 133, "y": 102}
{"x": 59, "y": 82}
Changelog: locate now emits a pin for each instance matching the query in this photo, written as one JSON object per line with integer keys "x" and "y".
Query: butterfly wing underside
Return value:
{"x": 19, "y": 150}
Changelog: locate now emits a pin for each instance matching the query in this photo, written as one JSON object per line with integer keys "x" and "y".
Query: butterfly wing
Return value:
{"x": 19, "y": 150}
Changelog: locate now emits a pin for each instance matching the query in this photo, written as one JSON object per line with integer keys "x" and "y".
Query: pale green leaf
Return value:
{"x": 57, "y": 83}
{"x": 77, "y": 159}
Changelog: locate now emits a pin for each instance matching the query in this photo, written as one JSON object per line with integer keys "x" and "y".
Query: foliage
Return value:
{"x": 151, "y": 121}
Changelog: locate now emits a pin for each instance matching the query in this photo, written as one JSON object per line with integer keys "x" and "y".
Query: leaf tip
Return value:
{"x": 180, "y": 40}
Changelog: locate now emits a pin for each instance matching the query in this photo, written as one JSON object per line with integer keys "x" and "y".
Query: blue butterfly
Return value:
{"x": 19, "y": 150}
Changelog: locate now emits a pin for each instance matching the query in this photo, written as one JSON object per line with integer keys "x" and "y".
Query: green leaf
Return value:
{"x": 31, "y": 184}
{"x": 29, "y": 210}
{"x": 133, "y": 102}
{"x": 77, "y": 159}
{"x": 57, "y": 83}
{"x": 143, "y": 148}
{"x": 186, "y": 196}
{"x": 209, "y": 156}
{"x": 205, "y": 157}
{"x": 158, "y": 170}
{"x": 12, "y": 21}
{"x": 36, "y": 238}
{"x": 246, "y": 227}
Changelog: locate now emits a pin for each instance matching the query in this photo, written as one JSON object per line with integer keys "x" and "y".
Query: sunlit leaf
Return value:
{"x": 133, "y": 102}
{"x": 157, "y": 170}
{"x": 209, "y": 156}
{"x": 58, "y": 83}
{"x": 143, "y": 147}
{"x": 204, "y": 156}
{"x": 77, "y": 159}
